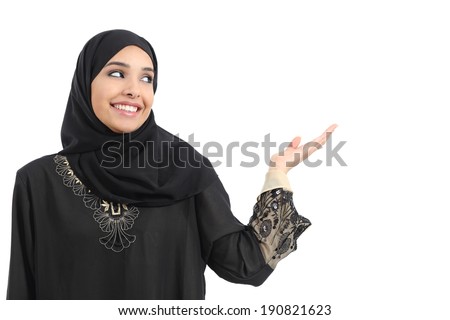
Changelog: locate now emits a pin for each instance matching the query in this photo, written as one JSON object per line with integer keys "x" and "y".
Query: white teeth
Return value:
{"x": 125, "y": 107}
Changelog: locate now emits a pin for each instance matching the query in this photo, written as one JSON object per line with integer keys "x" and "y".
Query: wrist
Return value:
{"x": 276, "y": 178}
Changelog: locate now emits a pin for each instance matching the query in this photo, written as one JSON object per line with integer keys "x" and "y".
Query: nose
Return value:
{"x": 132, "y": 90}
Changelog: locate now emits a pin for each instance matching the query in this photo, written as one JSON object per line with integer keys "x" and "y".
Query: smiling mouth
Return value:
{"x": 125, "y": 107}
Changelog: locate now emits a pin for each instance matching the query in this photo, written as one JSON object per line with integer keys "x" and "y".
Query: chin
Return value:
{"x": 123, "y": 129}
{"x": 127, "y": 128}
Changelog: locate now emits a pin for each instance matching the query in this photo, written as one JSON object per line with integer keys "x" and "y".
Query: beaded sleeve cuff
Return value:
{"x": 277, "y": 224}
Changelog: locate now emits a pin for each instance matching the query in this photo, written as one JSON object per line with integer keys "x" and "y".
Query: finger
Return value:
{"x": 316, "y": 144}
{"x": 309, "y": 148}
{"x": 322, "y": 139}
{"x": 331, "y": 128}
{"x": 295, "y": 142}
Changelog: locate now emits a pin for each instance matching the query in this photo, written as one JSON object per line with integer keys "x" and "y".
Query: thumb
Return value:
{"x": 295, "y": 142}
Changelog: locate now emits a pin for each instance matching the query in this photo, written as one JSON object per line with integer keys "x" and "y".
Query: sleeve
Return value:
{"x": 21, "y": 283}
{"x": 248, "y": 253}
{"x": 275, "y": 221}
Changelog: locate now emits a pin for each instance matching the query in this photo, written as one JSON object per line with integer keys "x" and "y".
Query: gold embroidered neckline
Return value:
{"x": 113, "y": 218}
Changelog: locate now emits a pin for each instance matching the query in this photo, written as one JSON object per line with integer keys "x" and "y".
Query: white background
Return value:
{"x": 238, "y": 70}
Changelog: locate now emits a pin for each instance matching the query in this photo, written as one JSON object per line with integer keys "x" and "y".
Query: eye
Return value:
{"x": 147, "y": 79}
{"x": 116, "y": 74}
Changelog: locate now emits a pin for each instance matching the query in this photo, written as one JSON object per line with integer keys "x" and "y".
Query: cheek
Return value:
{"x": 148, "y": 101}
{"x": 98, "y": 98}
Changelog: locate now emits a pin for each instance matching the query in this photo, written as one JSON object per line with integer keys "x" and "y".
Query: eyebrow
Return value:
{"x": 126, "y": 65}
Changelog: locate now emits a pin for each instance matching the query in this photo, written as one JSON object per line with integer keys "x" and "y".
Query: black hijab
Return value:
{"x": 148, "y": 167}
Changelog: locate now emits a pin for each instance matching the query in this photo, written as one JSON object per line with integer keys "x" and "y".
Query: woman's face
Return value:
{"x": 122, "y": 93}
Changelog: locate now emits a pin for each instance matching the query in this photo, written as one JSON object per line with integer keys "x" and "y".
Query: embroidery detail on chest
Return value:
{"x": 113, "y": 218}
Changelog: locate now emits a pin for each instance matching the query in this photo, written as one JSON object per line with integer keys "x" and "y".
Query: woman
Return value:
{"x": 127, "y": 210}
